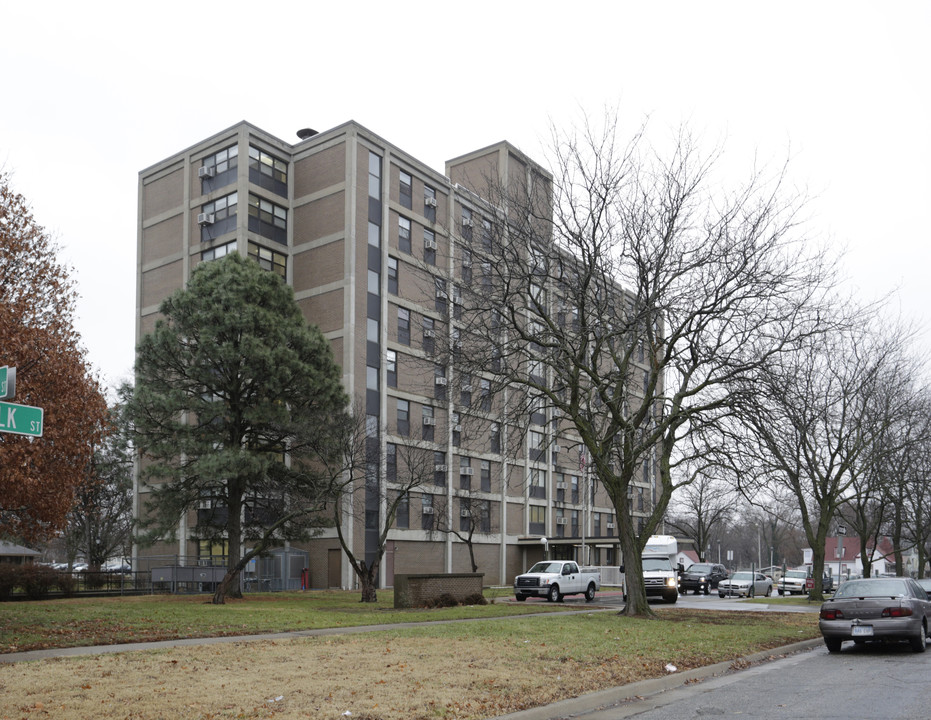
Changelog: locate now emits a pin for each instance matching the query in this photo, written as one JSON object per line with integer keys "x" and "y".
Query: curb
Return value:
{"x": 604, "y": 699}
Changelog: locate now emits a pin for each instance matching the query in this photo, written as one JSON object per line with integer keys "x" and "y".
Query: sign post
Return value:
{"x": 7, "y": 382}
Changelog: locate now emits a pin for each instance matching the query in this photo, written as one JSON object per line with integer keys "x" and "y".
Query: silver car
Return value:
{"x": 745, "y": 583}
{"x": 876, "y": 609}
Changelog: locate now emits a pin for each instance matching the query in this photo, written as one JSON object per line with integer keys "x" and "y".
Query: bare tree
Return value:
{"x": 373, "y": 501}
{"x": 703, "y": 507}
{"x": 809, "y": 422}
{"x": 619, "y": 298}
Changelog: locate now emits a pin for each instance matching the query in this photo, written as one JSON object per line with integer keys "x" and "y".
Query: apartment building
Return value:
{"x": 371, "y": 240}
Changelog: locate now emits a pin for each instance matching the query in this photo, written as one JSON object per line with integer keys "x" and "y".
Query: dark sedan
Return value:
{"x": 876, "y": 609}
{"x": 701, "y": 577}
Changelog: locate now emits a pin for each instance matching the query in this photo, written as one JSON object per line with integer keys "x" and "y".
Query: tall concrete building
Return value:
{"x": 369, "y": 239}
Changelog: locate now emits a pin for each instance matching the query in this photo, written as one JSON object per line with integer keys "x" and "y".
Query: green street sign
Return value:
{"x": 7, "y": 382}
{"x": 21, "y": 419}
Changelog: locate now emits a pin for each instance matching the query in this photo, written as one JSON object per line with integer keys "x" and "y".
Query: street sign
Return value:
{"x": 7, "y": 382}
{"x": 21, "y": 419}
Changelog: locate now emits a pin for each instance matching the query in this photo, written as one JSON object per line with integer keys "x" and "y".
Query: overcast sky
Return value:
{"x": 94, "y": 92}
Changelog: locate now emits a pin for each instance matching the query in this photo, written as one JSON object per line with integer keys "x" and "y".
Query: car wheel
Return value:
{"x": 521, "y": 598}
{"x": 554, "y": 595}
{"x": 833, "y": 644}
{"x": 707, "y": 590}
{"x": 769, "y": 591}
{"x": 780, "y": 593}
{"x": 590, "y": 592}
{"x": 918, "y": 642}
{"x": 720, "y": 594}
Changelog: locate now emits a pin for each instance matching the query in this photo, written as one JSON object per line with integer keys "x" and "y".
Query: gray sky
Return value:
{"x": 94, "y": 92}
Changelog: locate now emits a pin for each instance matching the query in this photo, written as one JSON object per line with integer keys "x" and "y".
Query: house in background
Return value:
{"x": 17, "y": 554}
{"x": 842, "y": 557}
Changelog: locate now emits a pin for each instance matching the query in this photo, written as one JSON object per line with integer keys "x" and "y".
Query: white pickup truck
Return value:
{"x": 553, "y": 579}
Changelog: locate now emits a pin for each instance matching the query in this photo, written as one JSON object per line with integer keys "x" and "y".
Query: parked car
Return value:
{"x": 876, "y": 609}
{"x": 701, "y": 577}
{"x": 925, "y": 584}
{"x": 745, "y": 584}
{"x": 793, "y": 582}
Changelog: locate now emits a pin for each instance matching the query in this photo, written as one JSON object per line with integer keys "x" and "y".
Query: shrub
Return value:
{"x": 37, "y": 580}
{"x": 8, "y": 580}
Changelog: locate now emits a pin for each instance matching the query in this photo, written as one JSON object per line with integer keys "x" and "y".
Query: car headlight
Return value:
{"x": 670, "y": 582}
{"x": 701, "y": 579}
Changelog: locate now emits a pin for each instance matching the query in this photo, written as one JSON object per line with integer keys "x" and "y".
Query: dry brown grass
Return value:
{"x": 419, "y": 674}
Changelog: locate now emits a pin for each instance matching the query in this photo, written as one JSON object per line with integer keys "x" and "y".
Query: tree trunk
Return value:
{"x": 637, "y": 604}
{"x": 228, "y": 587}
{"x": 368, "y": 578}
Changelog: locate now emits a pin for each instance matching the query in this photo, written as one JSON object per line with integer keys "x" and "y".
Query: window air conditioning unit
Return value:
{"x": 428, "y": 510}
{"x": 466, "y": 388}
{"x": 466, "y": 263}
{"x": 458, "y": 344}
{"x": 429, "y": 201}
{"x": 466, "y": 471}
{"x": 440, "y": 380}
{"x": 429, "y": 244}
{"x": 562, "y": 521}
{"x": 441, "y": 294}
{"x": 610, "y": 526}
{"x": 466, "y": 223}
{"x": 439, "y": 468}
{"x": 464, "y": 512}
{"x": 429, "y": 333}
{"x": 557, "y": 448}
{"x": 207, "y": 171}
{"x": 457, "y": 428}
{"x": 560, "y": 486}
{"x": 429, "y": 421}
{"x": 205, "y": 218}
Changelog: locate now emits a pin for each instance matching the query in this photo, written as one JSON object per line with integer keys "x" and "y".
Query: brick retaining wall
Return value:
{"x": 417, "y": 590}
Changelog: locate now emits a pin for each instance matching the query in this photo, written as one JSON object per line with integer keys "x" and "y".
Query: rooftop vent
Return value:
{"x": 305, "y": 133}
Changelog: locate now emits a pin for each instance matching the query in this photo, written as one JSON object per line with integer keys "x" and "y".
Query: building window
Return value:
{"x": 404, "y": 326}
{"x": 371, "y": 330}
{"x": 457, "y": 429}
{"x": 441, "y": 297}
{"x": 268, "y": 219}
{"x": 429, "y": 334}
{"x": 371, "y": 378}
{"x": 486, "y": 476}
{"x": 427, "y": 512}
{"x": 218, "y": 217}
{"x": 465, "y": 390}
{"x": 465, "y": 473}
{"x": 429, "y": 247}
{"x": 466, "y": 267}
{"x": 374, "y": 176}
{"x": 560, "y": 522}
{"x": 391, "y": 367}
{"x": 466, "y": 223}
{"x": 439, "y": 382}
{"x": 596, "y": 522}
{"x": 537, "y": 483}
{"x": 269, "y": 259}
{"x": 484, "y": 398}
{"x": 402, "y": 518}
{"x": 429, "y": 203}
{"x": 560, "y": 487}
{"x": 404, "y": 235}
{"x": 404, "y": 418}
{"x": 393, "y": 275}
{"x": 371, "y": 425}
{"x": 429, "y": 422}
{"x": 439, "y": 468}
{"x": 404, "y": 193}
{"x": 219, "y": 251}
{"x": 574, "y": 483}
{"x": 494, "y": 438}
{"x": 219, "y": 170}
{"x": 537, "y": 520}
{"x": 267, "y": 171}
{"x": 487, "y": 244}
{"x": 574, "y": 520}
{"x": 374, "y": 282}
{"x": 374, "y": 235}
{"x": 391, "y": 462}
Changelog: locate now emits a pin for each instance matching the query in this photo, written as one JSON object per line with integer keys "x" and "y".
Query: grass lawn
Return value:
{"x": 467, "y": 671}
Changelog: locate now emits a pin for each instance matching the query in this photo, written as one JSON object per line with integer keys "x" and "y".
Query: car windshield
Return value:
{"x": 699, "y": 568}
{"x": 796, "y": 574}
{"x": 656, "y": 564}
{"x": 546, "y": 567}
{"x": 741, "y": 576}
{"x": 872, "y": 587}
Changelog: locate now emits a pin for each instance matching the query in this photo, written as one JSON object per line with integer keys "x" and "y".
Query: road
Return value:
{"x": 859, "y": 683}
